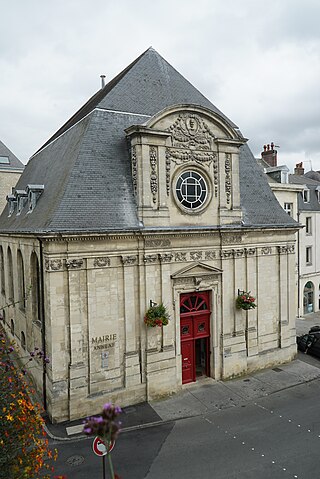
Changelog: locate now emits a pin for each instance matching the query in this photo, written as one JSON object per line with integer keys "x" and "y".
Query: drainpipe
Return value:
{"x": 43, "y": 327}
{"x": 298, "y": 259}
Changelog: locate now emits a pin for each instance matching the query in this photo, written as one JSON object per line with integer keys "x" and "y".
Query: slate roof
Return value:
{"x": 14, "y": 163}
{"x": 313, "y": 185}
{"x": 86, "y": 170}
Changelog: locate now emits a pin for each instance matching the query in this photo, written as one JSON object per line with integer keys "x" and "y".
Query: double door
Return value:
{"x": 194, "y": 334}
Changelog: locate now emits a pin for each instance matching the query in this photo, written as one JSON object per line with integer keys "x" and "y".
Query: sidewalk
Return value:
{"x": 206, "y": 395}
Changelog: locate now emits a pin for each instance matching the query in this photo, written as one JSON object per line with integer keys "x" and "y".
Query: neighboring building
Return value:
{"x": 147, "y": 194}
{"x": 299, "y": 195}
{"x": 309, "y": 253}
{"x": 10, "y": 171}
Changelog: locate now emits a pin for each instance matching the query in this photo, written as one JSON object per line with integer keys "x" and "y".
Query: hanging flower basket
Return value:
{"x": 157, "y": 316}
{"x": 245, "y": 301}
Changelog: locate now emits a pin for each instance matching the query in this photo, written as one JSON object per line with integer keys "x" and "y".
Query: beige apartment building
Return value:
{"x": 148, "y": 194}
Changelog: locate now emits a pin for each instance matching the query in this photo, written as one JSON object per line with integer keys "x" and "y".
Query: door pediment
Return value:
{"x": 196, "y": 269}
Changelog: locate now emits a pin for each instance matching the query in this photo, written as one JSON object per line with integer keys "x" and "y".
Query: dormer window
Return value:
{"x": 318, "y": 193}
{"x": 4, "y": 160}
{"x": 11, "y": 200}
{"x": 306, "y": 196}
{"x": 34, "y": 192}
{"x": 21, "y": 198}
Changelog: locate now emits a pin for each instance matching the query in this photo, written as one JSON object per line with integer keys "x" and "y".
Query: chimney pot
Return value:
{"x": 103, "y": 83}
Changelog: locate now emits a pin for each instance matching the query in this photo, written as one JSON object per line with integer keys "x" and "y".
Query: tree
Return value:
{"x": 25, "y": 452}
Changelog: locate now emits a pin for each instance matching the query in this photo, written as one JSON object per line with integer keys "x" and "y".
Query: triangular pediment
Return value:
{"x": 196, "y": 269}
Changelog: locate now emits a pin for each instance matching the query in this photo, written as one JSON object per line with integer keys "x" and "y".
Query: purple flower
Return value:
{"x": 47, "y": 360}
{"x": 11, "y": 348}
{"x": 32, "y": 354}
{"x": 87, "y": 430}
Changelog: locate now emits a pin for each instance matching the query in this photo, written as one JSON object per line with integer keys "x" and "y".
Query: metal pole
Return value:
{"x": 103, "y": 467}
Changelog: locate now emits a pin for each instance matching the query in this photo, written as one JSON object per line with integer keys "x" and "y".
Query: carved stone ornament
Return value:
{"x": 131, "y": 259}
{"x": 53, "y": 265}
{"x": 209, "y": 255}
{"x": 150, "y": 258}
{"x": 195, "y": 255}
{"x": 181, "y": 156}
{"x": 266, "y": 250}
{"x": 238, "y": 253}
{"x": 232, "y": 239}
{"x": 168, "y": 166}
{"x": 157, "y": 243}
{"x": 180, "y": 257}
{"x": 134, "y": 166}
{"x": 226, "y": 253}
{"x": 190, "y": 131}
{"x": 153, "y": 175}
{"x": 101, "y": 262}
{"x": 228, "y": 183}
{"x": 215, "y": 177}
{"x": 286, "y": 249}
{"x": 165, "y": 257}
{"x": 250, "y": 251}
{"x": 74, "y": 263}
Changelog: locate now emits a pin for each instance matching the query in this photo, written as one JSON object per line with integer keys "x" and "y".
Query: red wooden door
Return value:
{"x": 188, "y": 366}
{"x": 194, "y": 324}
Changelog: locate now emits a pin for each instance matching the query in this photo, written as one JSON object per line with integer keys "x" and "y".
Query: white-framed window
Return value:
{"x": 309, "y": 255}
{"x": 288, "y": 208}
{"x": 308, "y": 225}
{"x": 191, "y": 190}
{"x": 306, "y": 196}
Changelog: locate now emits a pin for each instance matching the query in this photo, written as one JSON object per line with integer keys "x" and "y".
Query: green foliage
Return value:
{"x": 245, "y": 301}
{"x": 157, "y": 316}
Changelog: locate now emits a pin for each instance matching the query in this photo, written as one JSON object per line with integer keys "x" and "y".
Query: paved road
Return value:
{"x": 277, "y": 436}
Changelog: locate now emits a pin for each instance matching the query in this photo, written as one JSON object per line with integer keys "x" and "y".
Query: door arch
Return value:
{"x": 194, "y": 334}
{"x": 308, "y": 293}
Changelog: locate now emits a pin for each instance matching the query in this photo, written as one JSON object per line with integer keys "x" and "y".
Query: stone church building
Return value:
{"x": 148, "y": 194}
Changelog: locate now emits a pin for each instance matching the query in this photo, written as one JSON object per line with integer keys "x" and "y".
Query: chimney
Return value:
{"x": 103, "y": 83}
{"x": 269, "y": 154}
{"x": 299, "y": 170}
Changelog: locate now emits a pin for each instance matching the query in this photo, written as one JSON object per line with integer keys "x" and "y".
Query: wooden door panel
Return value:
{"x": 188, "y": 364}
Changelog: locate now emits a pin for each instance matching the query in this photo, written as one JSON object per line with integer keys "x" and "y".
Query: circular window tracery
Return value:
{"x": 191, "y": 190}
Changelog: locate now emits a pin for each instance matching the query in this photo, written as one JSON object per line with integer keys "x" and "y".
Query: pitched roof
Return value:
{"x": 86, "y": 168}
{"x": 13, "y": 162}
{"x": 148, "y": 85}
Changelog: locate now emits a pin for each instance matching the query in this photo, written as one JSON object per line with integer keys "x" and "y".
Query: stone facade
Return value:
{"x": 197, "y": 228}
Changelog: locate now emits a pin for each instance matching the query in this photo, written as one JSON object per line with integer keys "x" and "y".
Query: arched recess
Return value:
{"x": 10, "y": 276}
{"x": 308, "y": 298}
{"x": 35, "y": 288}
{"x": 2, "y": 278}
{"x": 23, "y": 340}
{"x": 21, "y": 282}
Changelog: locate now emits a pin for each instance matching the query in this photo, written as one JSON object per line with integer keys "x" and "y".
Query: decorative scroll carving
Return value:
{"x": 250, "y": 251}
{"x": 150, "y": 258}
{"x": 237, "y": 253}
{"x": 180, "y": 257}
{"x": 157, "y": 243}
{"x": 226, "y": 253}
{"x": 209, "y": 255}
{"x": 232, "y": 239}
{"x": 101, "y": 262}
{"x": 134, "y": 166}
{"x": 74, "y": 263}
{"x": 183, "y": 156}
{"x": 131, "y": 259}
{"x": 153, "y": 176}
{"x": 190, "y": 131}
{"x": 266, "y": 250}
{"x": 215, "y": 177}
{"x": 53, "y": 264}
{"x": 168, "y": 166}
{"x": 227, "y": 169}
{"x": 286, "y": 249}
{"x": 195, "y": 255}
{"x": 165, "y": 257}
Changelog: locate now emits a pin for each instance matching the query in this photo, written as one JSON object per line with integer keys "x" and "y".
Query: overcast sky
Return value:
{"x": 258, "y": 61}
